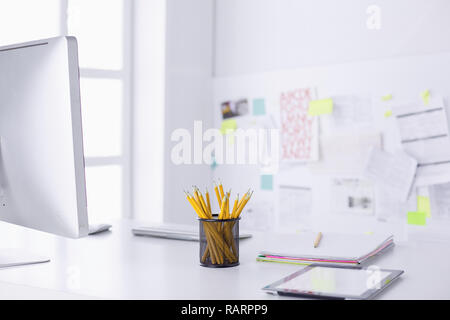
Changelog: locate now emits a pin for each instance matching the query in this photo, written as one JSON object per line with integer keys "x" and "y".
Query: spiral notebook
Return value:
{"x": 334, "y": 248}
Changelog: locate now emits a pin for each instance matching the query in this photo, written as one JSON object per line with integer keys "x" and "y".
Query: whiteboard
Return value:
{"x": 403, "y": 77}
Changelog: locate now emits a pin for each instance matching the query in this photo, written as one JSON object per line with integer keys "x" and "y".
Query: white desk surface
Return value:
{"x": 118, "y": 265}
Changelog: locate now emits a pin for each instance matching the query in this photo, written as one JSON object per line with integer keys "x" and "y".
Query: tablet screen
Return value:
{"x": 347, "y": 282}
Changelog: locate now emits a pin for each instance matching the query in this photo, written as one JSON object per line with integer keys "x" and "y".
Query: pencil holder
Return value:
{"x": 219, "y": 242}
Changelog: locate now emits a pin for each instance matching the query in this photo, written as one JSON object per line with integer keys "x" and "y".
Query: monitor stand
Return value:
{"x": 17, "y": 257}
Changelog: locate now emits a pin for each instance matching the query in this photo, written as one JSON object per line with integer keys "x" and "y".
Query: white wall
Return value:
{"x": 148, "y": 79}
{"x": 263, "y": 35}
{"x": 189, "y": 69}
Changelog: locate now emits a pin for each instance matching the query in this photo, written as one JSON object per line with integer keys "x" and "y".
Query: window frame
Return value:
{"x": 125, "y": 76}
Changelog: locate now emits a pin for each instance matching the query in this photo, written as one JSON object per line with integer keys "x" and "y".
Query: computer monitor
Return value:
{"x": 42, "y": 177}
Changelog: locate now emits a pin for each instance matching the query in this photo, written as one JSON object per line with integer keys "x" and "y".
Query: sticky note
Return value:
{"x": 423, "y": 205}
{"x": 320, "y": 107}
{"x": 387, "y": 114}
{"x": 417, "y": 218}
{"x": 267, "y": 182}
{"x": 259, "y": 107}
{"x": 425, "y": 95}
{"x": 214, "y": 164}
{"x": 386, "y": 97}
{"x": 228, "y": 126}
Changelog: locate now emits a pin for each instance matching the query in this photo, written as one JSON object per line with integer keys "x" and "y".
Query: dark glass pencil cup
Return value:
{"x": 219, "y": 242}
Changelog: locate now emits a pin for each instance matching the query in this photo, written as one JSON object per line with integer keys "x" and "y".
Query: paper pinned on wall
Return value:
{"x": 394, "y": 172}
{"x": 352, "y": 196}
{"x": 424, "y": 135}
{"x": 417, "y": 218}
{"x": 295, "y": 205}
{"x": 320, "y": 107}
{"x": 351, "y": 110}
{"x": 345, "y": 153}
{"x": 388, "y": 208}
{"x": 440, "y": 200}
{"x": 234, "y": 108}
{"x": 299, "y": 131}
{"x": 259, "y": 107}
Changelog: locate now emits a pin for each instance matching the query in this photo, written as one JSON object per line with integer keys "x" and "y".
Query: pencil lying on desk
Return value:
{"x": 317, "y": 241}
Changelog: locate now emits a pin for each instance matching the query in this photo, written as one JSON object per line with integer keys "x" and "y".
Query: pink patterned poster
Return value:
{"x": 299, "y": 131}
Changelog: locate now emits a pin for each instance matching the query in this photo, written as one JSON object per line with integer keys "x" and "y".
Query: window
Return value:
{"x": 103, "y": 30}
{"x": 101, "y": 27}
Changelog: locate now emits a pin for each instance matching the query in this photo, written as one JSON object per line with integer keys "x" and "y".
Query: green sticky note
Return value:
{"x": 228, "y": 126}
{"x": 320, "y": 107}
{"x": 425, "y": 95}
{"x": 259, "y": 107}
{"x": 423, "y": 205}
{"x": 386, "y": 97}
{"x": 267, "y": 182}
{"x": 417, "y": 218}
{"x": 387, "y": 114}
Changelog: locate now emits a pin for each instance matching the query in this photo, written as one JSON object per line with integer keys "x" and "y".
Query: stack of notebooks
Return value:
{"x": 334, "y": 248}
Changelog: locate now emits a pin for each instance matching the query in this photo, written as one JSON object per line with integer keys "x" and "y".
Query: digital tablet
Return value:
{"x": 335, "y": 282}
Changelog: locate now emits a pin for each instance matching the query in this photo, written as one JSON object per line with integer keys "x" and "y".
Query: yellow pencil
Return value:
{"x": 238, "y": 213}
{"x": 202, "y": 201}
{"x": 219, "y": 199}
{"x": 208, "y": 202}
{"x": 222, "y": 210}
{"x": 235, "y": 206}
{"x": 227, "y": 211}
{"x": 243, "y": 198}
{"x": 221, "y": 190}
{"x": 197, "y": 198}
{"x": 194, "y": 205}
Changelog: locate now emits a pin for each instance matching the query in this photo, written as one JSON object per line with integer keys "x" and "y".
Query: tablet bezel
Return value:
{"x": 370, "y": 293}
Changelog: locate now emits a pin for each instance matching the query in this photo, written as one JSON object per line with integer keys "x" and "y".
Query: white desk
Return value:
{"x": 19, "y": 292}
{"x": 119, "y": 265}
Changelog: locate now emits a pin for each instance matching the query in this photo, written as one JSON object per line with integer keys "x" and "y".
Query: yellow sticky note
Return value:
{"x": 228, "y": 126}
{"x": 386, "y": 97}
{"x": 319, "y": 107}
{"x": 423, "y": 205}
{"x": 417, "y": 218}
{"x": 425, "y": 95}
{"x": 387, "y": 114}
